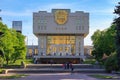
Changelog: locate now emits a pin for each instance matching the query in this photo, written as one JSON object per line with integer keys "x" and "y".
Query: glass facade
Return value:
{"x": 60, "y": 45}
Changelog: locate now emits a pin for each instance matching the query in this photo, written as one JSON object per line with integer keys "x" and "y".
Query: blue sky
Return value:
{"x": 101, "y": 13}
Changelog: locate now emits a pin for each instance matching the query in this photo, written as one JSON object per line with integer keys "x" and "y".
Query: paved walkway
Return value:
{"x": 57, "y": 76}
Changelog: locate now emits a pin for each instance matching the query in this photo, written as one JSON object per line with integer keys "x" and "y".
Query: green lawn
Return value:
{"x": 89, "y": 61}
{"x": 13, "y": 76}
{"x": 99, "y": 76}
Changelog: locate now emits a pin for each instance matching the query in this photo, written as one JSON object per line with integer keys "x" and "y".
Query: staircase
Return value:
{"x": 57, "y": 68}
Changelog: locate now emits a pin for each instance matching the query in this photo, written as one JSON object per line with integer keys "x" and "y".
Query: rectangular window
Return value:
{"x": 36, "y": 51}
{"x": 30, "y": 52}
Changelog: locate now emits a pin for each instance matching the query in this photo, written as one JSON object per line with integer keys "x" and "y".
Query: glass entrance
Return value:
{"x": 60, "y": 45}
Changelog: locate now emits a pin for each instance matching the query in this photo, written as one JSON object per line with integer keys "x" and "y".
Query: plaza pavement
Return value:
{"x": 58, "y": 76}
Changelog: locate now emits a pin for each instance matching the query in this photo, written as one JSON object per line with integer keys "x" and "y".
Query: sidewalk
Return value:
{"x": 59, "y": 76}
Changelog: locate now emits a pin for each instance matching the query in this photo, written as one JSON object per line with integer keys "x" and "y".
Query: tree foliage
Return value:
{"x": 111, "y": 63}
{"x": 12, "y": 43}
{"x": 20, "y": 48}
{"x": 117, "y": 23}
{"x": 103, "y": 42}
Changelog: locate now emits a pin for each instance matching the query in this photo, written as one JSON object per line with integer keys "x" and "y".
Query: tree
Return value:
{"x": 117, "y": 23}
{"x": 7, "y": 45}
{"x": 97, "y": 40}
{"x": 104, "y": 42}
{"x": 20, "y": 48}
{"x": 12, "y": 43}
{"x": 1, "y": 57}
{"x": 111, "y": 63}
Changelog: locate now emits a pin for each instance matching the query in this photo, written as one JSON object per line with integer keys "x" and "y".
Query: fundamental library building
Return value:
{"x": 60, "y": 35}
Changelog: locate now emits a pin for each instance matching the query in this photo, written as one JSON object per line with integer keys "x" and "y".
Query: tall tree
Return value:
{"x": 12, "y": 43}
{"x": 7, "y": 45}
{"x": 104, "y": 42}
{"x": 117, "y": 23}
{"x": 20, "y": 48}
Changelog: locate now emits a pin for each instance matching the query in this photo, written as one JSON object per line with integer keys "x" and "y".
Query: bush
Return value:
{"x": 111, "y": 63}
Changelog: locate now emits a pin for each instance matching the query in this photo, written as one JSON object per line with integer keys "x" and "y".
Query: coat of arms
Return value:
{"x": 61, "y": 16}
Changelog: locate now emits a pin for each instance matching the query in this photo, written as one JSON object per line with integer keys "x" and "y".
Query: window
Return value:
{"x": 36, "y": 51}
{"x": 30, "y": 52}
{"x": 60, "y": 41}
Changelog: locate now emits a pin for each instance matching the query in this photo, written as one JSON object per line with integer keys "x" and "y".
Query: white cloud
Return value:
{"x": 108, "y": 11}
{"x": 94, "y": 24}
{"x": 113, "y": 1}
{"x": 55, "y": 6}
{"x": 11, "y": 13}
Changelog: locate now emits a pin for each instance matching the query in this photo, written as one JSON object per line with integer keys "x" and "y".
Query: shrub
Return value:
{"x": 111, "y": 63}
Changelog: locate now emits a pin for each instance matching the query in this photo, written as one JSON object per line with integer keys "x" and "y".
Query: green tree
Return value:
{"x": 117, "y": 23}
{"x": 7, "y": 45}
{"x": 20, "y": 48}
{"x": 12, "y": 43}
{"x": 103, "y": 42}
{"x": 111, "y": 63}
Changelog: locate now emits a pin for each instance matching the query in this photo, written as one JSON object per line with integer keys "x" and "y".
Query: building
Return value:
{"x": 60, "y": 35}
{"x": 32, "y": 50}
{"x": 88, "y": 51}
{"x": 17, "y": 25}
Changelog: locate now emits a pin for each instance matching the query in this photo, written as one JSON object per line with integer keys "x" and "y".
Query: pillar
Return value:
{"x": 39, "y": 45}
{"x": 44, "y": 44}
{"x": 82, "y": 46}
{"x": 77, "y": 45}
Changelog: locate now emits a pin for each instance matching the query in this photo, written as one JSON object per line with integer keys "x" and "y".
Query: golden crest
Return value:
{"x": 61, "y": 16}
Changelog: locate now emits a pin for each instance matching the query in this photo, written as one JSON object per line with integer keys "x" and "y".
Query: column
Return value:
{"x": 77, "y": 45}
{"x": 44, "y": 45}
{"x": 64, "y": 46}
{"x": 39, "y": 45}
{"x": 82, "y": 47}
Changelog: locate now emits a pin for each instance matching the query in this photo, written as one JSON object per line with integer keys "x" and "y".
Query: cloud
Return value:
{"x": 108, "y": 11}
{"x": 94, "y": 24}
{"x": 28, "y": 12}
{"x": 16, "y": 14}
{"x": 113, "y": 1}
{"x": 56, "y": 5}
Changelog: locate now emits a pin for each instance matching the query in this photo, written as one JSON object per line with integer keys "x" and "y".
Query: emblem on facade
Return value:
{"x": 61, "y": 16}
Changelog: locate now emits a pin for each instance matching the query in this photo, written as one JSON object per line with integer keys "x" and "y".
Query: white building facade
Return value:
{"x": 60, "y": 33}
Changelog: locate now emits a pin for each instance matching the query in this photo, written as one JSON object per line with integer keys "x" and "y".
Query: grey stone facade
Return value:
{"x": 50, "y": 26}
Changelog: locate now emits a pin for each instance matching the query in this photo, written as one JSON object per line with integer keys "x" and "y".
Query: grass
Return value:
{"x": 17, "y": 64}
{"x": 89, "y": 61}
{"x": 103, "y": 76}
{"x": 13, "y": 76}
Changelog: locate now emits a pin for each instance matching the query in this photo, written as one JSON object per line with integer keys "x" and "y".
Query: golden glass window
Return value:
{"x": 60, "y": 43}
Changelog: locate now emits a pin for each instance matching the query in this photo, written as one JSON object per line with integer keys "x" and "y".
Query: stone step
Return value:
{"x": 51, "y": 70}
{"x": 39, "y": 66}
